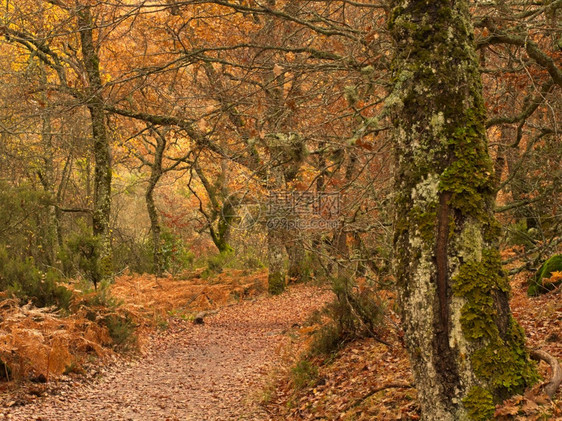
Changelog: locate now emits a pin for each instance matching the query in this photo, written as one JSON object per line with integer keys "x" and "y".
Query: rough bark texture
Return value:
{"x": 102, "y": 155}
{"x": 466, "y": 350}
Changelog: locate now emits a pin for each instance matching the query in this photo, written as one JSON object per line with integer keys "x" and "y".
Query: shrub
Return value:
{"x": 356, "y": 312}
{"x": 83, "y": 252}
{"x": 24, "y": 222}
{"x": 100, "y": 306}
{"x": 176, "y": 257}
{"x": 24, "y": 280}
{"x": 121, "y": 328}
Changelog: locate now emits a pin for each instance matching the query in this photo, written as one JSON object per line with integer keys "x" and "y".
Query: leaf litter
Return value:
{"x": 210, "y": 371}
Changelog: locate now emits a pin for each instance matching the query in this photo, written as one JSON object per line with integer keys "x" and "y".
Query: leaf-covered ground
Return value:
{"x": 368, "y": 380}
{"x": 212, "y": 371}
{"x": 240, "y": 364}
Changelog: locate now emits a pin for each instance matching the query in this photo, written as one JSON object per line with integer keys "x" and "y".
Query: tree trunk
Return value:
{"x": 466, "y": 350}
{"x": 102, "y": 156}
{"x": 276, "y": 232}
{"x": 223, "y": 208}
{"x": 155, "y": 175}
{"x": 298, "y": 270}
{"x": 48, "y": 177}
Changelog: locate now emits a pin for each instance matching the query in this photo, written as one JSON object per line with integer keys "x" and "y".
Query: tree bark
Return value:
{"x": 48, "y": 177}
{"x": 102, "y": 155}
{"x": 298, "y": 270}
{"x": 155, "y": 175}
{"x": 276, "y": 232}
{"x": 466, "y": 350}
{"x": 223, "y": 208}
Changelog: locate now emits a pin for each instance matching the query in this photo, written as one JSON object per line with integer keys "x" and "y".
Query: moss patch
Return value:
{"x": 536, "y": 286}
{"x": 501, "y": 361}
{"x": 276, "y": 283}
{"x": 479, "y": 404}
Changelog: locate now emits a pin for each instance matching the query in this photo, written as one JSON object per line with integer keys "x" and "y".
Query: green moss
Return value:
{"x": 276, "y": 283}
{"x": 469, "y": 177}
{"x": 476, "y": 282}
{"x": 536, "y": 286}
{"x": 106, "y": 266}
{"x": 425, "y": 221}
{"x": 504, "y": 363}
{"x": 501, "y": 361}
{"x": 479, "y": 404}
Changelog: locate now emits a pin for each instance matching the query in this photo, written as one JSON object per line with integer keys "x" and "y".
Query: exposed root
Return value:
{"x": 551, "y": 387}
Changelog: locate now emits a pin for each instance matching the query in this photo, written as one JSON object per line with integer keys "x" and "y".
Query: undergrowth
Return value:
{"x": 22, "y": 279}
{"x": 106, "y": 310}
{"x": 356, "y": 312}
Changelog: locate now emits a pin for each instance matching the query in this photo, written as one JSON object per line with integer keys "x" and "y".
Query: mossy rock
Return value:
{"x": 536, "y": 286}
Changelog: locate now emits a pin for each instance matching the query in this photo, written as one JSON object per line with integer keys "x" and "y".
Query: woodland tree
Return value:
{"x": 467, "y": 351}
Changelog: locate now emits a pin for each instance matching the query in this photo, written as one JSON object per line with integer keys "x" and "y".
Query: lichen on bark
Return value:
{"x": 466, "y": 350}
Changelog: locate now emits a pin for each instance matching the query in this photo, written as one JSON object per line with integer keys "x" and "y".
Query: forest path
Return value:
{"x": 190, "y": 372}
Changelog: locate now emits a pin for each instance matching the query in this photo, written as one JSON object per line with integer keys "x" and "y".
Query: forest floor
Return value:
{"x": 250, "y": 360}
{"x": 211, "y": 371}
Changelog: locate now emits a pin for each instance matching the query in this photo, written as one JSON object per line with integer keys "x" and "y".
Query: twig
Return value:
{"x": 360, "y": 318}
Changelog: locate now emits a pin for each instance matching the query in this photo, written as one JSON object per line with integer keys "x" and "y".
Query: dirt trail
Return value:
{"x": 190, "y": 372}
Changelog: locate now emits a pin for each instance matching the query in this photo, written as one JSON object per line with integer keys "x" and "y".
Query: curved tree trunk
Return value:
{"x": 223, "y": 208}
{"x": 155, "y": 175}
{"x": 466, "y": 350}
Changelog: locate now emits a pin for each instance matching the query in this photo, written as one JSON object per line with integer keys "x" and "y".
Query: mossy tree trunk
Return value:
{"x": 222, "y": 208}
{"x": 276, "y": 232}
{"x": 293, "y": 155}
{"x": 298, "y": 270}
{"x": 102, "y": 155}
{"x": 47, "y": 175}
{"x": 277, "y": 276}
{"x": 275, "y": 122}
{"x": 156, "y": 172}
{"x": 466, "y": 350}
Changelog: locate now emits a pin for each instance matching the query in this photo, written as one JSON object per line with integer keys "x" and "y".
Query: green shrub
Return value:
{"x": 24, "y": 280}
{"x": 121, "y": 330}
{"x": 100, "y": 306}
{"x": 83, "y": 255}
{"x": 175, "y": 256}
{"x": 217, "y": 263}
{"x": 24, "y": 222}
{"x": 304, "y": 374}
